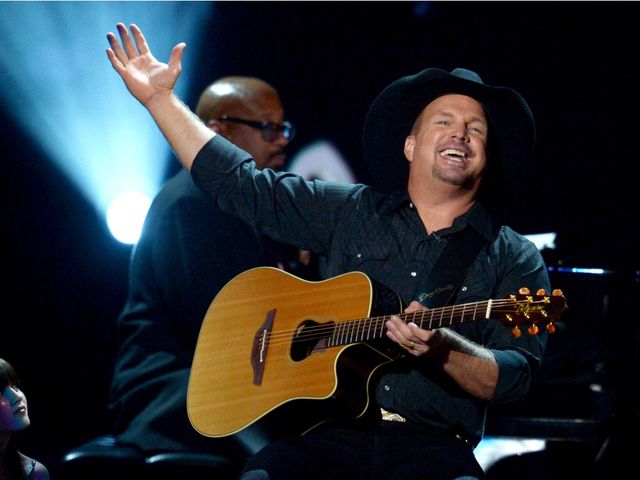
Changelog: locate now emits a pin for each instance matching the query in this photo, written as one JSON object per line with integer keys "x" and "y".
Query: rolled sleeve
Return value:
{"x": 215, "y": 161}
{"x": 515, "y": 375}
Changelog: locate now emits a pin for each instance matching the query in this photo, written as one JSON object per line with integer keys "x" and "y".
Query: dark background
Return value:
{"x": 576, "y": 63}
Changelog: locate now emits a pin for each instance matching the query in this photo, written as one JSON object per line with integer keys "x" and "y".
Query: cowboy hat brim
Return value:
{"x": 393, "y": 112}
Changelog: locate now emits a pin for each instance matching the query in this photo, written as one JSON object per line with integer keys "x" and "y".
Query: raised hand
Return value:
{"x": 151, "y": 82}
{"x": 144, "y": 76}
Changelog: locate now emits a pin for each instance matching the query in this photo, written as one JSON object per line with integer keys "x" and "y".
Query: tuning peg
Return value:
{"x": 541, "y": 292}
{"x": 551, "y": 328}
{"x": 533, "y": 329}
{"x": 557, "y": 292}
{"x": 516, "y": 332}
{"x": 524, "y": 291}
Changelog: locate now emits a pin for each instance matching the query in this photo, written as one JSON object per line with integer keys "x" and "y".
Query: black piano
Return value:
{"x": 585, "y": 401}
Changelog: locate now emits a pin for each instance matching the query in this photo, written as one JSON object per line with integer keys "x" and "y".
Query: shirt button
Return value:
{"x": 387, "y": 388}
{"x": 464, "y": 288}
{"x": 359, "y": 255}
{"x": 414, "y": 274}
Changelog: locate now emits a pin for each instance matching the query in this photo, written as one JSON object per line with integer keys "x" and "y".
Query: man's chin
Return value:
{"x": 277, "y": 162}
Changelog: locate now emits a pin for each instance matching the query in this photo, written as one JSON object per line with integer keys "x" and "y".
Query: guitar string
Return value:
{"x": 326, "y": 330}
{"x": 376, "y": 324}
{"x": 354, "y": 333}
{"x": 447, "y": 314}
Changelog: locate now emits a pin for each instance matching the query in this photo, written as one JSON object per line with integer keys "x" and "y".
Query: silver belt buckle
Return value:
{"x": 391, "y": 417}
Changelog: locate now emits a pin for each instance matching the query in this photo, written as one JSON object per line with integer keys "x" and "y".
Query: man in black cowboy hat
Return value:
{"x": 435, "y": 142}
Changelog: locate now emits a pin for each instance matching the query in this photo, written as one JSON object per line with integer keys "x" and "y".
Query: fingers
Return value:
{"x": 121, "y": 55}
{"x": 115, "y": 63}
{"x": 143, "y": 48}
{"x": 414, "y": 307}
{"x": 116, "y": 55}
{"x": 412, "y": 337}
{"x": 127, "y": 43}
{"x": 175, "y": 58}
{"x": 409, "y": 336}
{"x": 128, "y": 49}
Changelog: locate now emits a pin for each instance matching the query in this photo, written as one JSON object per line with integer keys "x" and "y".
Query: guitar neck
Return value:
{"x": 372, "y": 328}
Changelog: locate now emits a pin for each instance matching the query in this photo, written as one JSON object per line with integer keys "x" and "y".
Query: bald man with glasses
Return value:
{"x": 248, "y": 112}
{"x": 188, "y": 250}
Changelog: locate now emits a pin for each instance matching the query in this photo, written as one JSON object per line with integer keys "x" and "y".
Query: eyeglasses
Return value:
{"x": 270, "y": 131}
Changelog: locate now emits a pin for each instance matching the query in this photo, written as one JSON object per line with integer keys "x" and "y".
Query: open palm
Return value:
{"x": 144, "y": 76}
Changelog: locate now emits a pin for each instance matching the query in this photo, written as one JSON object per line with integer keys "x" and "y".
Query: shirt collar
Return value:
{"x": 477, "y": 216}
{"x": 395, "y": 201}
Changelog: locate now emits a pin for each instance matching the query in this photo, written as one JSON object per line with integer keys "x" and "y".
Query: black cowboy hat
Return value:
{"x": 393, "y": 112}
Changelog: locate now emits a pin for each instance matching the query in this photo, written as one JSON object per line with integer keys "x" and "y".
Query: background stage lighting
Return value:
{"x": 60, "y": 88}
{"x": 126, "y": 214}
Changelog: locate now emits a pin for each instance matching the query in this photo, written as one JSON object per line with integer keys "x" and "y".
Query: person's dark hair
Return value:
{"x": 9, "y": 377}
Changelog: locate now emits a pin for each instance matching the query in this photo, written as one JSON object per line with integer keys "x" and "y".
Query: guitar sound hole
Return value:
{"x": 310, "y": 336}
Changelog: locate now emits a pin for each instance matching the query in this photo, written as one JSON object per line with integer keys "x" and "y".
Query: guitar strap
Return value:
{"x": 447, "y": 274}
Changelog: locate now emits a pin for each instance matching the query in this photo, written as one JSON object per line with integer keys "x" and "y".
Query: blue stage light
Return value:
{"x": 126, "y": 214}
{"x": 60, "y": 88}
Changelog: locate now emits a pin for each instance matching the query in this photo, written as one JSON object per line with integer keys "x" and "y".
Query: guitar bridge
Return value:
{"x": 261, "y": 347}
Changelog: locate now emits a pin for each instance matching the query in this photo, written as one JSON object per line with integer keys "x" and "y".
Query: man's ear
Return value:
{"x": 409, "y": 145}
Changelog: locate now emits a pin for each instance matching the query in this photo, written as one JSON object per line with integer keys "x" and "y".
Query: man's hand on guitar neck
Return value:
{"x": 415, "y": 340}
{"x": 469, "y": 365}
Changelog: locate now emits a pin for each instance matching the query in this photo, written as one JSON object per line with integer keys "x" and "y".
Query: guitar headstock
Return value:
{"x": 532, "y": 310}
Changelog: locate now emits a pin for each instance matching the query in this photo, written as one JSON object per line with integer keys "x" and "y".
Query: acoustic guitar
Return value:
{"x": 270, "y": 340}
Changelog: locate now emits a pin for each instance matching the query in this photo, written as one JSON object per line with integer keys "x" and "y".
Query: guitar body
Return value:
{"x": 254, "y": 354}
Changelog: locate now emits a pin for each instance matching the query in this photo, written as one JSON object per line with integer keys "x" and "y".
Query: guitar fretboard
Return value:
{"x": 372, "y": 328}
